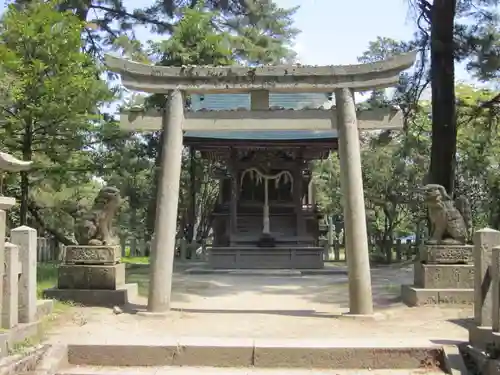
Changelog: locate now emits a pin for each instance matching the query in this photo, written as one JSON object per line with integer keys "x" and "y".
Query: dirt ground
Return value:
{"x": 271, "y": 307}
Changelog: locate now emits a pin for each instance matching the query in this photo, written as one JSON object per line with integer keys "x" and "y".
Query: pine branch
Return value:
{"x": 138, "y": 17}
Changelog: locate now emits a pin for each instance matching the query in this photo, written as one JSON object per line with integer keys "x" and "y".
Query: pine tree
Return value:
{"x": 450, "y": 38}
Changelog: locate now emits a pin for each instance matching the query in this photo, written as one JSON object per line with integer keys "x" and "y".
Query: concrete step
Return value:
{"x": 249, "y": 353}
{"x": 170, "y": 370}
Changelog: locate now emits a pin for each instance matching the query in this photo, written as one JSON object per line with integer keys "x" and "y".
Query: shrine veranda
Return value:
{"x": 266, "y": 216}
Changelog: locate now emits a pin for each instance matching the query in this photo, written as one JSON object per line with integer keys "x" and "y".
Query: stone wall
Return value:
{"x": 484, "y": 332}
{"x": 486, "y": 327}
{"x": 20, "y": 309}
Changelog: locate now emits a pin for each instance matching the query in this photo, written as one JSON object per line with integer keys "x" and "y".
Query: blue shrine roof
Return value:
{"x": 215, "y": 102}
{"x": 267, "y": 135}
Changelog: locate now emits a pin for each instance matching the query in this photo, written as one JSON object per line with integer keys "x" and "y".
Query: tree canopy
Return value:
{"x": 55, "y": 103}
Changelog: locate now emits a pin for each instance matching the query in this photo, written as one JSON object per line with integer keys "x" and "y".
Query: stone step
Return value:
{"x": 170, "y": 370}
{"x": 414, "y": 296}
{"x": 248, "y": 353}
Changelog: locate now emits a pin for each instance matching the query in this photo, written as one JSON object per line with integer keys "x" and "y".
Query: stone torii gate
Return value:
{"x": 259, "y": 81}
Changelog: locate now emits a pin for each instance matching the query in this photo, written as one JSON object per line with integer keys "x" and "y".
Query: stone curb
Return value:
{"x": 234, "y": 371}
{"x": 453, "y": 360}
{"x": 257, "y": 353}
{"x": 243, "y": 272}
{"x": 22, "y": 363}
{"x": 52, "y": 360}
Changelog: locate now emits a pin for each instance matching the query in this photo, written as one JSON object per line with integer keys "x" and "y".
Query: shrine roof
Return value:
{"x": 267, "y": 135}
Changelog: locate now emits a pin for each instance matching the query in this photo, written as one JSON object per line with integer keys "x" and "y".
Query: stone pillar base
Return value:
{"x": 95, "y": 297}
{"x": 414, "y": 296}
{"x": 92, "y": 255}
{"x": 482, "y": 337}
{"x": 443, "y": 276}
{"x": 25, "y": 331}
{"x": 91, "y": 276}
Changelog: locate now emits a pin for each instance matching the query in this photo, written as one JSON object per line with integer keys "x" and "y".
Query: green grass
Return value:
{"x": 47, "y": 272}
{"x": 139, "y": 276}
{"x": 135, "y": 260}
{"x": 393, "y": 288}
{"x": 376, "y": 256}
{"x": 46, "y": 277}
{"x": 47, "y": 323}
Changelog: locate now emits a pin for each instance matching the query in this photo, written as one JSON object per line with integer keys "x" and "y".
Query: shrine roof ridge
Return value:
{"x": 259, "y": 136}
{"x": 158, "y": 79}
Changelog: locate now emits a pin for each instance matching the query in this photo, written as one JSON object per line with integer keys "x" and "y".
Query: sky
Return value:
{"x": 336, "y": 32}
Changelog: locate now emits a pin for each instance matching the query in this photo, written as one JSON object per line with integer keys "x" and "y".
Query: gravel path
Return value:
{"x": 278, "y": 307}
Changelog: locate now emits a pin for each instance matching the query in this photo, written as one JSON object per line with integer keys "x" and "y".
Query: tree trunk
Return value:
{"x": 444, "y": 125}
{"x": 37, "y": 215}
{"x": 27, "y": 147}
{"x": 133, "y": 228}
{"x": 494, "y": 207}
{"x": 192, "y": 201}
{"x": 151, "y": 211}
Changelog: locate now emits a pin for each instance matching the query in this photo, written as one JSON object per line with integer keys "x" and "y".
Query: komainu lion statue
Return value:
{"x": 96, "y": 226}
{"x": 449, "y": 220}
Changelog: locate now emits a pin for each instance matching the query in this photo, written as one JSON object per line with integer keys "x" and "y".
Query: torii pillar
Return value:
{"x": 167, "y": 202}
{"x": 351, "y": 183}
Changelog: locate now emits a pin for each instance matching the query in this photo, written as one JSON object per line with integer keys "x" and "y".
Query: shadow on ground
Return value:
{"x": 318, "y": 289}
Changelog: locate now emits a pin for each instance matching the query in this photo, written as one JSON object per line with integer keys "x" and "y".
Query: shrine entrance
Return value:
{"x": 343, "y": 119}
{"x": 266, "y": 216}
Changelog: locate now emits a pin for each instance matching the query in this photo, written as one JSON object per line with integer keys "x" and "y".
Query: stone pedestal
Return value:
{"x": 100, "y": 255}
{"x": 100, "y": 277}
{"x": 92, "y": 275}
{"x": 443, "y": 274}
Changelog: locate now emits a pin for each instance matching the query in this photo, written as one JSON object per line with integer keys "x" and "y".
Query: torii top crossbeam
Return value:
{"x": 259, "y": 81}
{"x": 281, "y": 78}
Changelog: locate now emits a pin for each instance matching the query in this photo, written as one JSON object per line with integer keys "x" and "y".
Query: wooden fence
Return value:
{"x": 47, "y": 250}
{"x": 379, "y": 253}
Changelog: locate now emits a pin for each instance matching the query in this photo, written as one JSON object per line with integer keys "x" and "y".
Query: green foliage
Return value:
{"x": 41, "y": 56}
{"x": 478, "y": 37}
{"x": 195, "y": 41}
{"x": 80, "y": 148}
{"x": 396, "y": 163}
{"x": 261, "y": 32}
{"x": 51, "y": 109}
{"x": 51, "y": 93}
{"x": 475, "y": 34}
{"x": 204, "y": 36}
{"x": 265, "y": 35}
